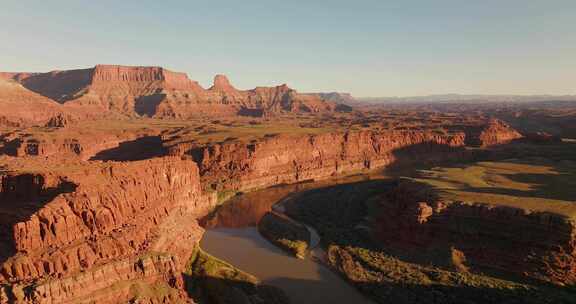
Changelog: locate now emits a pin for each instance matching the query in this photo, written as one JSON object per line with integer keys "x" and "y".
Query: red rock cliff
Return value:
{"x": 155, "y": 91}
{"x": 536, "y": 244}
{"x": 99, "y": 219}
{"x": 156, "y": 77}
{"x": 289, "y": 159}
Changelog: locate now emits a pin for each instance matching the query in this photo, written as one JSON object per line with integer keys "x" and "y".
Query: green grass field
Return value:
{"x": 534, "y": 184}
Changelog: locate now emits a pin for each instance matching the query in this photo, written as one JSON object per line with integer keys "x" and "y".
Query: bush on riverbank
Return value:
{"x": 284, "y": 233}
{"x": 211, "y": 280}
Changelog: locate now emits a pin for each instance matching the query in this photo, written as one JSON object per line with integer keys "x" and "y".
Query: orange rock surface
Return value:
{"x": 158, "y": 92}
{"x": 96, "y": 196}
{"x": 74, "y": 225}
{"x": 289, "y": 159}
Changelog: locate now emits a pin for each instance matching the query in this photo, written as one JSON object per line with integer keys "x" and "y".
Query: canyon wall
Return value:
{"x": 289, "y": 159}
{"x": 69, "y": 236}
{"x": 511, "y": 240}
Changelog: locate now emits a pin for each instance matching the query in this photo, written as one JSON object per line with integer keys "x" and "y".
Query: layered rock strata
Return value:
{"x": 158, "y": 92}
{"x": 90, "y": 231}
{"x": 537, "y": 244}
{"x": 68, "y": 238}
{"x": 289, "y": 159}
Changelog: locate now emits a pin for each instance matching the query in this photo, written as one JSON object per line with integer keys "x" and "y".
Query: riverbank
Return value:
{"x": 304, "y": 281}
{"x": 307, "y": 280}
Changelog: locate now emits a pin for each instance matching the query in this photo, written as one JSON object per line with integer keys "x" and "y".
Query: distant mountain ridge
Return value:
{"x": 158, "y": 92}
{"x": 339, "y": 97}
{"x": 349, "y": 99}
{"x": 467, "y": 98}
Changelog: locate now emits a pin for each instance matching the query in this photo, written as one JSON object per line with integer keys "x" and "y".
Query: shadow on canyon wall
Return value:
{"x": 58, "y": 86}
{"x": 9, "y": 146}
{"x": 249, "y": 112}
{"x": 139, "y": 149}
{"x": 407, "y": 160}
{"x": 21, "y": 197}
{"x": 146, "y": 105}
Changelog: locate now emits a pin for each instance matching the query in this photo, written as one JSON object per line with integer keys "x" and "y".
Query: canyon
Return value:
{"x": 107, "y": 173}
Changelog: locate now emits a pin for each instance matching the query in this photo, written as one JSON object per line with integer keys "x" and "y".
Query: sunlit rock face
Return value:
{"x": 99, "y": 225}
{"x": 158, "y": 92}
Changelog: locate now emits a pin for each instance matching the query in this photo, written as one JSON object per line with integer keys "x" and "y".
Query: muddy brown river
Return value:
{"x": 232, "y": 236}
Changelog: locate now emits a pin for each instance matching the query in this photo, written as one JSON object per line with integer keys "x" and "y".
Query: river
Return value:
{"x": 232, "y": 236}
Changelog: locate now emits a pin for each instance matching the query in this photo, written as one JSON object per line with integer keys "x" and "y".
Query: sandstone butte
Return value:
{"x": 75, "y": 230}
{"x": 140, "y": 91}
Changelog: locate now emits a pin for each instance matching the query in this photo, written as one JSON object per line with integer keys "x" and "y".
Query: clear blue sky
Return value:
{"x": 368, "y": 48}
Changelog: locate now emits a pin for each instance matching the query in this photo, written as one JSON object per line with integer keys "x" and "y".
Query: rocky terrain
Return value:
{"x": 282, "y": 159}
{"x": 106, "y": 172}
{"x": 484, "y": 249}
{"x": 488, "y": 236}
{"x": 144, "y": 91}
{"x": 68, "y": 229}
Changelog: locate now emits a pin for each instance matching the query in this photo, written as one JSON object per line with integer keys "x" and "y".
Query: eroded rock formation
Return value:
{"x": 288, "y": 159}
{"x": 537, "y": 244}
{"x": 85, "y": 218}
{"x": 70, "y": 236}
{"x": 158, "y": 92}
{"x": 61, "y": 226}
{"x": 495, "y": 132}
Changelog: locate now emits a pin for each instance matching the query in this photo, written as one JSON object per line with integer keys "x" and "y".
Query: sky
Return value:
{"x": 367, "y": 48}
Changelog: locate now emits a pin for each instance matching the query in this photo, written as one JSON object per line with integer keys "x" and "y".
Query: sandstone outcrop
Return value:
{"x": 68, "y": 236}
{"x": 60, "y": 121}
{"x": 494, "y": 132}
{"x": 277, "y": 159}
{"x": 158, "y": 92}
{"x": 289, "y": 159}
{"x": 21, "y": 106}
{"x": 512, "y": 240}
